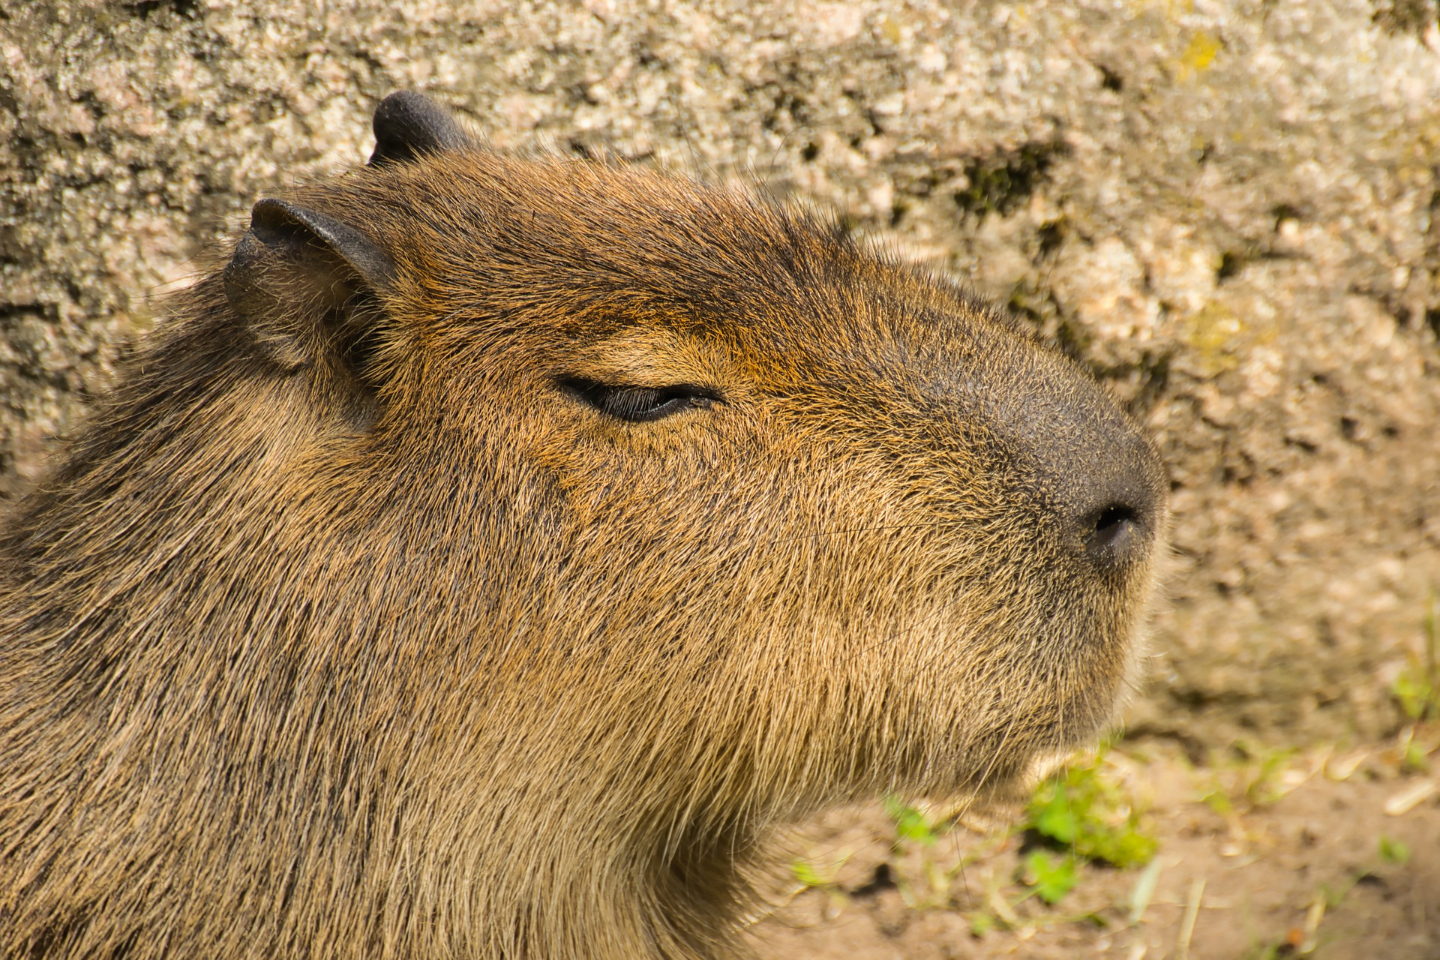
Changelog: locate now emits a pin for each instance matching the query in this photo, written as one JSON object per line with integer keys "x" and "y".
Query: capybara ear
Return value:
{"x": 409, "y": 125}
{"x": 309, "y": 289}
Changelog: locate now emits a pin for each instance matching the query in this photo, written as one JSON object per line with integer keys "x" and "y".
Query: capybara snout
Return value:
{"x": 1092, "y": 470}
{"x": 490, "y": 551}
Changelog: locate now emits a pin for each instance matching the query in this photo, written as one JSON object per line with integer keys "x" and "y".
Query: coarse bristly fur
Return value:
{"x": 495, "y": 550}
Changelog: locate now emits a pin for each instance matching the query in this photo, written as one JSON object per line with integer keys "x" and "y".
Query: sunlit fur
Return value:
{"x": 344, "y": 631}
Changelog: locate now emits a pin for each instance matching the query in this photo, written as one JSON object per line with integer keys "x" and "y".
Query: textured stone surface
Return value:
{"x": 1227, "y": 210}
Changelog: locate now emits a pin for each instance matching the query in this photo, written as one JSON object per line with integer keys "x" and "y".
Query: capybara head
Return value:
{"x": 494, "y": 548}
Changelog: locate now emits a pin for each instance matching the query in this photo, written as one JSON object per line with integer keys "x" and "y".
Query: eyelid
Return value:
{"x": 639, "y": 403}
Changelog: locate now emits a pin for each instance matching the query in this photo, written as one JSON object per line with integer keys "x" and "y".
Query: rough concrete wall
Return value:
{"x": 1226, "y": 209}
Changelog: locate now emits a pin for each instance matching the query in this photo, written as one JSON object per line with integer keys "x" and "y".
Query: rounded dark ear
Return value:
{"x": 409, "y": 125}
{"x": 308, "y": 288}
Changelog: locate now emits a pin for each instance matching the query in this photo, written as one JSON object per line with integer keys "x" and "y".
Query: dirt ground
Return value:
{"x": 1331, "y": 853}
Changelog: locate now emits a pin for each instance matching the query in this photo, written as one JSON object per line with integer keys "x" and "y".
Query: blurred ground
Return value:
{"x": 1325, "y": 854}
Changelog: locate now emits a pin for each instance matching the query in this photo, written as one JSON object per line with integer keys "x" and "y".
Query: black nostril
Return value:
{"x": 1113, "y": 533}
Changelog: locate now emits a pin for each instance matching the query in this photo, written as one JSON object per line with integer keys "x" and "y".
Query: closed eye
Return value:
{"x": 639, "y": 404}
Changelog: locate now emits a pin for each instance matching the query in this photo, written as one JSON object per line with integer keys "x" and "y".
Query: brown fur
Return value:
{"x": 348, "y": 629}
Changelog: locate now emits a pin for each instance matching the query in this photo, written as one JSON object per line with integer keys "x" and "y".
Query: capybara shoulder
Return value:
{"x": 486, "y": 557}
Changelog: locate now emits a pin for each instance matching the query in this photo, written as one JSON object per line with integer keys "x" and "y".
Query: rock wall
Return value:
{"x": 1227, "y": 209}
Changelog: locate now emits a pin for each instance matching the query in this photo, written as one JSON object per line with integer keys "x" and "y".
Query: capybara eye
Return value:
{"x": 639, "y": 404}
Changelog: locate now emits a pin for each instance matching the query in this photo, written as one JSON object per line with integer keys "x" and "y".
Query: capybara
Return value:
{"x": 490, "y": 552}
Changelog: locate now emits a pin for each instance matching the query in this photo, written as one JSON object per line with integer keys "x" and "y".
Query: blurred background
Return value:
{"x": 1228, "y": 211}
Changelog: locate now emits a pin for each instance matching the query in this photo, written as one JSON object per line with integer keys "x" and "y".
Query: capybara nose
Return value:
{"x": 1117, "y": 534}
{"x": 1095, "y": 479}
{"x": 1118, "y": 517}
